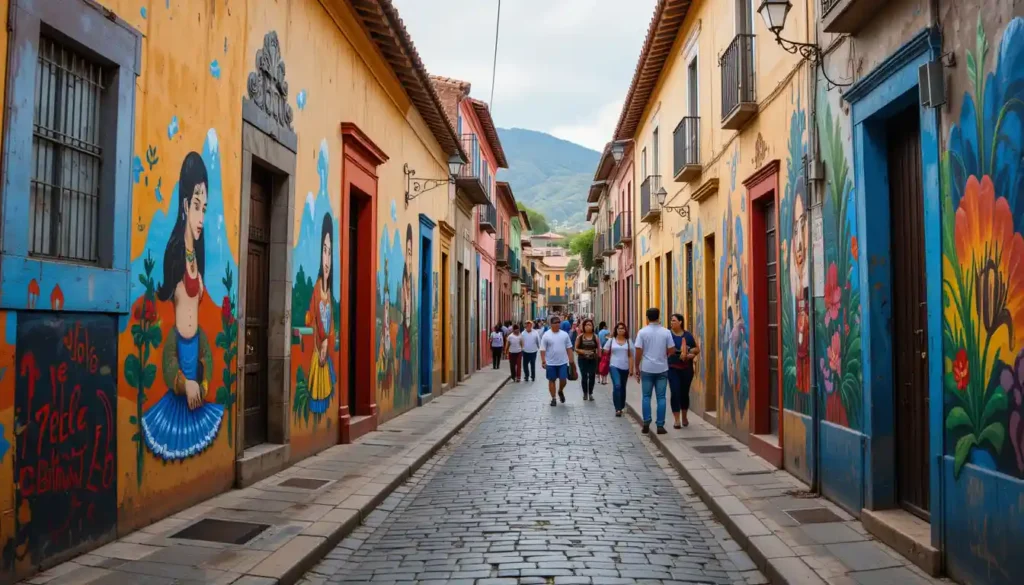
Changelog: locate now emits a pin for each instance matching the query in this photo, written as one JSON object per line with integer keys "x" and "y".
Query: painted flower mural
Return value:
{"x": 837, "y": 320}
{"x": 983, "y": 262}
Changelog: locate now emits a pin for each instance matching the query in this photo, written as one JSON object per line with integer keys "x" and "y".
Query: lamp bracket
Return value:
{"x": 810, "y": 52}
{"x": 682, "y": 210}
{"x": 416, "y": 186}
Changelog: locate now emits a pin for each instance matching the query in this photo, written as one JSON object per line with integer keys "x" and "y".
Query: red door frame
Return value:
{"x": 360, "y": 159}
{"x": 762, "y": 187}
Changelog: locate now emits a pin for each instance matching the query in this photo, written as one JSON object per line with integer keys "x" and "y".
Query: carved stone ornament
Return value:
{"x": 267, "y": 86}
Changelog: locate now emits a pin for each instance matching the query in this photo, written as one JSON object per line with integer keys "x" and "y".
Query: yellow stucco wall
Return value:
{"x": 729, "y": 156}
{"x": 196, "y": 60}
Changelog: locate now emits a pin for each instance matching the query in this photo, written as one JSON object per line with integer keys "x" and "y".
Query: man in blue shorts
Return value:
{"x": 555, "y": 356}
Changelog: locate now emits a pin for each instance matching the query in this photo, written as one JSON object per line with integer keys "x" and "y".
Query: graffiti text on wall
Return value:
{"x": 65, "y": 405}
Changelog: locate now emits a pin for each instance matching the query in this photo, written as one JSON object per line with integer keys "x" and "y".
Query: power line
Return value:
{"x": 494, "y": 64}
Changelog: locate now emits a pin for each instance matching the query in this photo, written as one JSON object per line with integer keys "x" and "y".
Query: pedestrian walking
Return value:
{"x": 555, "y": 355}
{"x": 589, "y": 351}
{"x": 602, "y": 337}
{"x": 620, "y": 364}
{"x": 497, "y": 346}
{"x": 514, "y": 353}
{"x": 531, "y": 345}
{"x": 680, "y": 370}
{"x": 653, "y": 346}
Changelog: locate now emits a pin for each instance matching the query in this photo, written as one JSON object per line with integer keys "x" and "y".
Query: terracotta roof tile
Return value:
{"x": 385, "y": 28}
{"x": 661, "y": 35}
{"x": 490, "y": 131}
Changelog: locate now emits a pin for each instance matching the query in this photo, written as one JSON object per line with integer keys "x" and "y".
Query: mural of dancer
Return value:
{"x": 385, "y": 347}
{"x": 798, "y": 285}
{"x": 183, "y": 424}
{"x": 322, "y": 377}
{"x": 404, "y": 361}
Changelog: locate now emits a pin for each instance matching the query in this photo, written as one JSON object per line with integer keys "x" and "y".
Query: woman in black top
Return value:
{"x": 588, "y": 348}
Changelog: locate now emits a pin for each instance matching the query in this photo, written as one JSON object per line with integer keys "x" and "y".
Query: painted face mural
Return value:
{"x": 733, "y": 339}
{"x": 183, "y": 424}
{"x": 322, "y": 378}
{"x": 983, "y": 252}
{"x": 396, "y": 365}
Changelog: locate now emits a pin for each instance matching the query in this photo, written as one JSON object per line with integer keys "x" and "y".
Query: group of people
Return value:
{"x": 659, "y": 358}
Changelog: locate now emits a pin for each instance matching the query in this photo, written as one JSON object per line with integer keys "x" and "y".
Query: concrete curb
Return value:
{"x": 315, "y": 554}
{"x": 780, "y": 570}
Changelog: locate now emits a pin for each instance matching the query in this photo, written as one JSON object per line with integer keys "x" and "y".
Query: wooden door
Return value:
{"x": 670, "y": 278}
{"x": 772, "y": 276}
{"x": 710, "y": 348}
{"x": 356, "y": 208}
{"x": 909, "y": 340}
{"x": 257, "y": 307}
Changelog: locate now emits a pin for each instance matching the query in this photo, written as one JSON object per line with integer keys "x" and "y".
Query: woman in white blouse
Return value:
{"x": 620, "y": 364}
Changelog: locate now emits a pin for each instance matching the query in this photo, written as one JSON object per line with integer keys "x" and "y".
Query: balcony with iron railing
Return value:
{"x": 617, "y": 232}
{"x": 488, "y": 218}
{"x": 609, "y": 244}
{"x": 472, "y": 176}
{"x": 558, "y": 300}
{"x": 847, "y": 16}
{"x": 739, "y": 98}
{"x": 686, "y": 149}
{"x": 513, "y": 263}
{"x": 650, "y": 211}
{"x": 501, "y": 253}
{"x": 626, "y": 236}
{"x": 592, "y": 279}
{"x": 599, "y": 245}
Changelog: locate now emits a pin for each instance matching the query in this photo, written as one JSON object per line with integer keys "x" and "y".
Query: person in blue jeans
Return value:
{"x": 653, "y": 346}
{"x": 680, "y": 370}
{"x": 531, "y": 345}
{"x": 620, "y": 364}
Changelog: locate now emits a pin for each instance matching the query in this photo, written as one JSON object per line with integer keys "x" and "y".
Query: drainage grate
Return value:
{"x": 225, "y": 531}
{"x": 813, "y": 515}
{"x": 304, "y": 483}
{"x": 714, "y": 449}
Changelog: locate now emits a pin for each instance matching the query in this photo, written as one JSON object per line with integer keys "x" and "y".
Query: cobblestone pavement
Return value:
{"x": 530, "y": 493}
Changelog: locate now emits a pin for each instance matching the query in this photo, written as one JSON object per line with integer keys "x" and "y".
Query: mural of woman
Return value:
{"x": 798, "y": 282}
{"x": 405, "y": 330}
{"x": 322, "y": 377}
{"x": 735, "y": 328}
{"x": 182, "y": 424}
{"x": 385, "y": 357}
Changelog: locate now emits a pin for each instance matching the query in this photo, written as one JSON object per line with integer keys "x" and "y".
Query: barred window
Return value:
{"x": 66, "y": 155}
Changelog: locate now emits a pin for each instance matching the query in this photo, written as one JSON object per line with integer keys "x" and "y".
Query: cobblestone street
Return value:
{"x": 530, "y": 493}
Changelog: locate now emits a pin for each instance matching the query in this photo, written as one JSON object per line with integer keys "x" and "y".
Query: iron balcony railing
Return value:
{"x": 488, "y": 218}
{"x": 592, "y": 279}
{"x": 513, "y": 262}
{"x": 558, "y": 300}
{"x": 627, "y": 229}
{"x": 617, "y": 231}
{"x": 737, "y": 65}
{"x": 473, "y": 178}
{"x": 609, "y": 241}
{"x": 649, "y": 208}
{"x": 827, "y": 6}
{"x": 686, "y": 146}
{"x": 501, "y": 252}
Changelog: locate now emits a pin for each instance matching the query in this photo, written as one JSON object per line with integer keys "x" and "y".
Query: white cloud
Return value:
{"x": 560, "y": 62}
{"x": 594, "y": 131}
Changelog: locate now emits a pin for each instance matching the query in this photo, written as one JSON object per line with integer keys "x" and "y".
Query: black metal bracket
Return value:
{"x": 810, "y": 52}
{"x": 414, "y": 187}
{"x": 683, "y": 210}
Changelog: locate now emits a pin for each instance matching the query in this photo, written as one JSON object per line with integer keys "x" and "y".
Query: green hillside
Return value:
{"x": 549, "y": 174}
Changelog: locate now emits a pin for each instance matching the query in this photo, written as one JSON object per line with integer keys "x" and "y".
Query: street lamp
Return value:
{"x": 415, "y": 187}
{"x": 683, "y": 210}
{"x": 618, "y": 150}
{"x": 774, "y": 13}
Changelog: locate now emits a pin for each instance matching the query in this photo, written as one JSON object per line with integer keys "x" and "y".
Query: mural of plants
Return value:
{"x": 139, "y": 373}
{"x": 983, "y": 263}
{"x": 837, "y": 322}
{"x": 227, "y": 340}
{"x": 795, "y": 322}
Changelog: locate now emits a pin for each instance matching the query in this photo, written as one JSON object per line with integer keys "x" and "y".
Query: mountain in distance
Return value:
{"x": 550, "y": 175}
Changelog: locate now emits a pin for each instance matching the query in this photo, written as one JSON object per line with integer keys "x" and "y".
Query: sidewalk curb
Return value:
{"x": 315, "y": 554}
{"x": 787, "y": 570}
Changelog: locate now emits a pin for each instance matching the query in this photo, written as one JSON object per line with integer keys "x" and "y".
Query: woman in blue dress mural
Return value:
{"x": 183, "y": 424}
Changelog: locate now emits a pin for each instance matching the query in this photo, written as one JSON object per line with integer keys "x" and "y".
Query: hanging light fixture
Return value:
{"x": 774, "y": 13}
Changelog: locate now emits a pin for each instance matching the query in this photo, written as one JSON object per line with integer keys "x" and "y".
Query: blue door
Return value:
{"x": 426, "y": 323}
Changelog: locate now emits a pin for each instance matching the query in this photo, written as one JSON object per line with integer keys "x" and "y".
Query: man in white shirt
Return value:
{"x": 653, "y": 346}
{"x": 555, "y": 356}
{"x": 531, "y": 345}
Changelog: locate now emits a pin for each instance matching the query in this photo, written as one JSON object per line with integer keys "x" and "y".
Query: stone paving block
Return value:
{"x": 862, "y": 556}
{"x": 832, "y": 533}
{"x": 125, "y": 550}
{"x": 892, "y": 576}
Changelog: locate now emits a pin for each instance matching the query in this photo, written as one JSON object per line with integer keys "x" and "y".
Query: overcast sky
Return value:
{"x": 563, "y": 65}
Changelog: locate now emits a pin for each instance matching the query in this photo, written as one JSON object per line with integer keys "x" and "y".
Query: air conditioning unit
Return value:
{"x": 932, "y": 84}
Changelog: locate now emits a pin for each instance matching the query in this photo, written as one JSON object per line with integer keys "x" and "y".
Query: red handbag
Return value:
{"x": 604, "y": 366}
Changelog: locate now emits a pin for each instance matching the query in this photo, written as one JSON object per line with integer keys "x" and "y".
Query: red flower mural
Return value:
{"x": 833, "y": 294}
{"x": 225, "y": 311}
{"x": 835, "y": 355}
{"x": 961, "y": 370}
{"x": 853, "y": 248}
